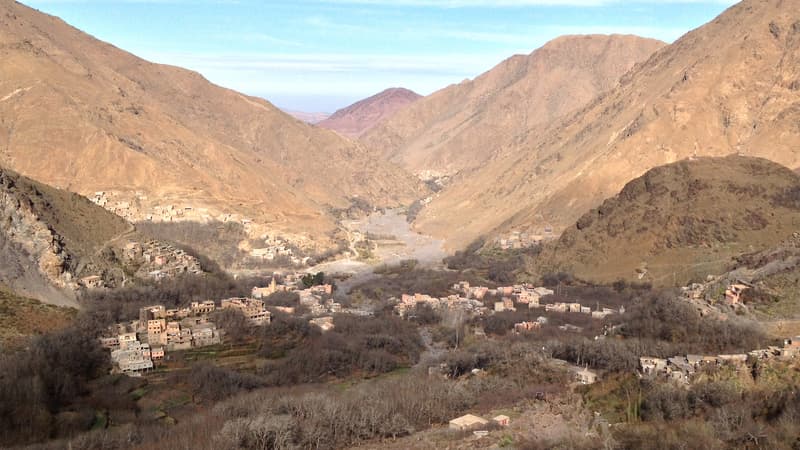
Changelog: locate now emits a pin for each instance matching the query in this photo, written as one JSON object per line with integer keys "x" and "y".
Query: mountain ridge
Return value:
{"x": 463, "y": 126}
{"x": 729, "y": 86}
{"x": 121, "y": 124}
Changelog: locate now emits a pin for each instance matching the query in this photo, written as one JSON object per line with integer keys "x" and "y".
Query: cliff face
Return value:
{"x": 53, "y": 242}
{"x": 33, "y": 255}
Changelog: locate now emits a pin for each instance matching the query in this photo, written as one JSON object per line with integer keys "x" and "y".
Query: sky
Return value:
{"x": 321, "y": 55}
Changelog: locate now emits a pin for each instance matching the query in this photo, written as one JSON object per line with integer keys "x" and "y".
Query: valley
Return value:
{"x": 388, "y": 240}
{"x": 580, "y": 241}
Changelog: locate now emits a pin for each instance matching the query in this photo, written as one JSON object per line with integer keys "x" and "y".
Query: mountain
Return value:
{"x": 308, "y": 117}
{"x": 54, "y": 242}
{"x": 360, "y": 117}
{"x": 83, "y": 115}
{"x": 465, "y": 125}
{"x": 681, "y": 222}
{"x": 730, "y": 86}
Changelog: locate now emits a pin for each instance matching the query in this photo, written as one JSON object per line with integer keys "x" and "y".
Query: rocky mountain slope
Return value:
{"x": 733, "y": 85}
{"x": 465, "y": 125}
{"x": 681, "y": 222}
{"x": 83, "y": 115}
{"x": 51, "y": 240}
{"x": 360, "y": 117}
{"x": 308, "y": 117}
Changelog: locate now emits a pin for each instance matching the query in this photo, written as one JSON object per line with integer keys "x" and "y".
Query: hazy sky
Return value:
{"x": 319, "y": 55}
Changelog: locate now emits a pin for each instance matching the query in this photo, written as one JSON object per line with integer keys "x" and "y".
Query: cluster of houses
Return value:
{"x": 519, "y": 239}
{"x": 153, "y": 259}
{"x": 122, "y": 205}
{"x": 276, "y": 247}
{"x": 159, "y": 260}
{"x": 599, "y": 313}
{"x": 471, "y": 299}
{"x": 683, "y": 368}
{"x": 707, "y": 295}
{"x": 518, "y": 293}
{"x": 530, "y": 295}
{"x": 137, "y": 344}
{"x": 290, "y": 282}
{"x": 452, "y": 302}
{"x": 318, "y": 299}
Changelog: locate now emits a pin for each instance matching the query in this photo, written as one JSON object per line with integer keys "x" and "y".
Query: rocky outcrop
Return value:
{"x": 38, "y": 240}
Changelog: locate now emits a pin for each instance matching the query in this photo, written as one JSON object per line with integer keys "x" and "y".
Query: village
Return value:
{"x": 519, "y": 239}
{"x": 278, "y": 250}
{"x": 132, "y": 208}
{"x": 473, "y": 300}
{"x": 138, "y": 345}
{"x": 707, "y": 297}
{"x": 684, "y": 368}
{"x": 150, "y": 260}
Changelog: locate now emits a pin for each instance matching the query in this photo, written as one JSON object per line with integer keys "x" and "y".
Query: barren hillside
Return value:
{"x": 81, "y": 114}
{"x": 360, "y": 117}
{"x": 730, "y": 86}
{"x": 465, "y": 125}
{"x": 681, "y": 221}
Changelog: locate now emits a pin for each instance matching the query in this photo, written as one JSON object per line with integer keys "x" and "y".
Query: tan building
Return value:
{"x": 92, "y": 282}
{"x": 126, "y": 339}
{"x": 501, "y": 420}
{"x": 468, "y": 422}
{"x": 152, "y": 312}
{"x": 586, "y": 376}
{"x": 324, "y": 323}
{"x": 157, "y": 353}
{"x": 526, "y": 327}
{"x": 156, "y": 326}
{"x": 204, "y": 335}
{"x": 252, "y": 308}
{"x": 206, "y": 307}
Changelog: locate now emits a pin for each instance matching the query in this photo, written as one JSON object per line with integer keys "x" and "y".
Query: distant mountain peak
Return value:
{"x": 358, "y": 118}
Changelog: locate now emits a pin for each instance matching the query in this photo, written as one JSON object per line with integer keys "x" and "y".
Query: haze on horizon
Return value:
{"x": 321, "y": 55}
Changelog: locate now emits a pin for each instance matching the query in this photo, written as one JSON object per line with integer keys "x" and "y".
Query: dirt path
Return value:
{"x": 131, "y": 229}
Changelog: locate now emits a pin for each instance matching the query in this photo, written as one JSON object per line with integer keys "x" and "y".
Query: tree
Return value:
{"x": 310, "y": 280}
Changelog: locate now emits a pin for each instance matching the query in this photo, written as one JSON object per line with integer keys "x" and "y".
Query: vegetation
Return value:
{"x": 368, "y": 346}
{"x": 42, "y": 386}
{"x": 366, "y": 379}
{"x": 499, "y": 266}
{"x": 310, "y": 280}
{"x": 408, "y": 278}
{"x": 220, "y": 240}
{"x": 20, "y": 316}
{"x": 116, "y": 305}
